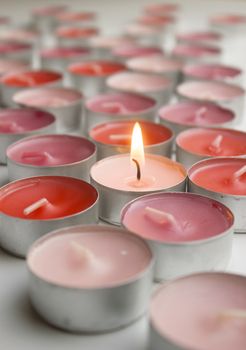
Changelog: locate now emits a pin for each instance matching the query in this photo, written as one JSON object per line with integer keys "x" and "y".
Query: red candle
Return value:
{"x": 96, "y": 68}
{"x": 31, "y": 78}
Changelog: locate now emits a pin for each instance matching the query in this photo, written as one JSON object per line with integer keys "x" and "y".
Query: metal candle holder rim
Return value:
{"x": 85, "y": 229}
{"x": 50, "y": 219}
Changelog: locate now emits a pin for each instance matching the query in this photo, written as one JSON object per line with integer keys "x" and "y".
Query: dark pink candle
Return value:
{"x": 7, "y": 48}
{"x": 211, "y": 72}
{"x": 49, "y": 10}
{"x": 196, "y": 52}
{"x": 64, "y": 52}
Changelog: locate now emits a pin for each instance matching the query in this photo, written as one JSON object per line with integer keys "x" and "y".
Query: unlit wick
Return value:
{"x": 159, "y": 216}
{"x": 138, "y": 169}
{"x": 81, "y": 251}
{"x": 240, "y": 172}
{"x": 116, "y": 105}
{"x": 201, "y": 112}
{"x": 36, "y": 205}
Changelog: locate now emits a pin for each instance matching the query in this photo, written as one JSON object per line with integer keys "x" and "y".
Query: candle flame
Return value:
{"x": 137, "y": 146}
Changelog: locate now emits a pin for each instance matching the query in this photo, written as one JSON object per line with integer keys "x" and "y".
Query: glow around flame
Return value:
{"x": 137, "y": 146}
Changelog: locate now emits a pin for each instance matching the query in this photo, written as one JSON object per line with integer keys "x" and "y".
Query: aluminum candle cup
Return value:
{"x": 218, "y": 72}
{"x": 7, "y": 66}
{"x": 225, "y": 95}
{"x": 119, "y": 187}
{"x": 181, "y": 239}
{"x": 156, "y": 87}
{"x": 75, "y": 35}
{"x": 159, "y": 65}
{"x": 90, "y": 77}
{"x": 197, "y": 53}
{"x": 15, "y": 51}
{"x": 58, "y": 58}
{"x": 14, "y": 82}
{"x": 118, "y": 106}
{"x": 200, "y": 311}
{"x": 200, "y": 38}
{"x": 64, "y": 155}
{"x": 18, "y": 123}
{"x": 102, "y": 46}
{"x": 44, "y": 17}
{"x": 187, "y": 114}
{"x": 105, "y": 281}
{"x": 34, "y": 206}
{"x": 222, "y": 179}
{"x": 115, "y": 137}
{"x": 193, "y": 145}
{"x": 64, "y": 103}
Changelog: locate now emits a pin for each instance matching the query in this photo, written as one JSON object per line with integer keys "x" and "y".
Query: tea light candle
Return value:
{"x": 58, "y": 58}
{"x": 183, "y": 115}
{"x": 42, "y": 204}
{"x": 182, "y": 239}
{"x": 161, "y": 8}
{"x": 90, "y": 76}
{"x": 7, "y": 66}
{"x": 68, "y": 17}
{"x": 197, "y": 53}
{"x": 157, "y": 64}
{"x": 64, "y": 103}
{"x": 157, "y": 87}
{"x": 161, "y": 21}
{"x": 229, "y": 23}
{"x": 21, "y": 35}
{"x": 75, "y": 35}
{"x": 64, "y": 155}
{"x": 216, "y": 307}
{"x": 94, "y": 268}
{"x": 112, "y": 106}
{"x": 226, "y": 95}
{"x": 212, "y": 72}
{"x": 102, "y": 45}
{"x": 123, "y": 53}
{"x": 223, "y": 179}
{"x": 196, "y": 144}
{"x": 144, "y": 34}
{"x": 16, "y": 50}
{"x": 199, "y": 37}
{"x": 115, "y": 137}
{"x": 18, "y": 123}
{"x": 15, "y": 82}
{"x": 136, "y": 175}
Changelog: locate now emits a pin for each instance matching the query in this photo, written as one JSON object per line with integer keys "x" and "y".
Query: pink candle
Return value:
{"x": 107, "y": 42}
{"x": 69, "y": 32}
{"x": 8, "y": 66}
{"x": 156, "y": 21}
{"x": 161, "y": 9}
{"x": 126, "y": 52}
{"x": 138, "y": 30}
{"x": 155, "y": 64}
{"x": 212, "y": 316}
{"x": 196, "y": 52}
{"x": 96, "y": 68}
{"x": 30, "y": 78}
{"x": 199, "y": 37}
{"x": 72, "y": 17}
{"x": 49, "y": 10}
{"x": 211, "y": 72}
{"x": 20, "y": 35}
{"x": 64, "y": 52}
{"x": 229, "y": 19}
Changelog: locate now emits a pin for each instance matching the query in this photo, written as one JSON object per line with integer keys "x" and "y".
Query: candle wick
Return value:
{"x": 240, "y": 172}
{"x": 217, "y": 141}
{"x": 81, "y": 251}
{"x": 36, "y": 205}
{"x": 138, "y": 169}
{"x": 201, "y": 112}
{"x": 233, "y": 313}
{"x": 159, "y": 216}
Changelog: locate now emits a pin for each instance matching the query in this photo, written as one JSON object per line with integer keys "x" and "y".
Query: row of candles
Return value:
{"x": 93, "y": 278}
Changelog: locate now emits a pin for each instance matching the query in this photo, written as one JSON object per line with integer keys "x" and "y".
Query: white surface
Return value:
{"x": 20, "y": 327}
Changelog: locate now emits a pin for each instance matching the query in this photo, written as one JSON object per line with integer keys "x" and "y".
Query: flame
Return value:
{"x": 137, "y": 146}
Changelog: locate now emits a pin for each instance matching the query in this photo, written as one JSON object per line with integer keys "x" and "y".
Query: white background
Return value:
{"x": 20, "y": 327}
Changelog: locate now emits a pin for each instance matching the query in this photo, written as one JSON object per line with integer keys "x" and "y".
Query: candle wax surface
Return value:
{"x": 191, "y": 225}
{"x": 155, "y": 64}
{"x": 108, "y": 42}
{"x": 77, "y": 32}
{"x": 30, "y": 78}
{"x": 137, "y": 82}
{"x": 212, "y": 91}
{"x": 135, "y": 50}
{"x": 64, "y": 52}
{"x": 47, "y": 97}
{"x": 200, "y": 141}
{"x": 152, "y": 133}
{"x": 51, "y": 150}
{"x": 120, "y": 103}
{"x": 8, "y": 66}
{"x": 17, "y": 121}
{"x": 96, "y": 68}
{"x": 195, "y": 50}
{"x": 197, "y": 323}
{"x": 199, "y": 36}
{"x": 161, "y": 9}
{"x": 115, "y": 258}
{"x": 66, "y": 196}
{"x": 192, "y": 113}
{"x": 217, "y": 175}
{"x": 12, "y": 47}
{"x": 118, "y": 172}
{"x": 211, "y": 71}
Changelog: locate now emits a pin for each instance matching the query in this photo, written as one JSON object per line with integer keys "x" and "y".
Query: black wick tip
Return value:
{"x": 138, "y": 169}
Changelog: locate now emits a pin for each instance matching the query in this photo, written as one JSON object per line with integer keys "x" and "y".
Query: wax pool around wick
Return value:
{"x": 117, "y": 137}
{"x": 36, "y": 205}
{"x": 35, "y": 155}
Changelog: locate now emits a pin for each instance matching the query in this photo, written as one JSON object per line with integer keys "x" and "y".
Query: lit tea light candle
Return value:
{"x": 183, "y": 115}
{"x": 226, "y": 95}
{"x": 102, "y": 45}
{"x": 90, "y": 76}
{"x": 18, "y": 123}
{"x": 196, "y": 144}
{"x": 90, "y": 265}
{"x": 64, "y": 155}
{"x": 157, "y": 64}
{"x": 42, "y": 204}
{"x": 199, "y": 37}
{"x": 64, "y": 103}
{"x": 15, "y": 50}
{"x": 201, "y": 53}
{"x": 157, "y": 87}
{"x": 58, "y": 58}
{"x": 123, "y": 53}
{"x": 8, "y": 66}
{"x": 223, "y": 179}
{"x": 183, "y": 240}
{"x": 113, "y": 106}
{"x": 136, "y": 175}
{"x": 216, "y": 307}
{"x": 115, "y": 137}
{"x": 212, "y": 72}
{"x": 15, "y": 82}
{"x": 73, "y": 36}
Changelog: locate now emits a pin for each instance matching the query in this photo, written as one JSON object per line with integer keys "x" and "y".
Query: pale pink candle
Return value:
{"x": 229, "y": 19}
{"x": 7, "y": 66}
{"x": 75, "y": 17}
{"x": 155, "y": 64}
{"x": 126, "y": 52}
{"x": 211, "y": 72}
{"x": 109, "y": 42}
{"x": 199, "y": 37}
{"x": 196, "y": 52}
{"x": 20, "y": 35}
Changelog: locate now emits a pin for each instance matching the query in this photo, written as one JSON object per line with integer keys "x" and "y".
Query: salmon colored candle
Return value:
{"x": 31, "y": 78}
{"x": 229, "y": 19}
{"x": 96, "y": 68}
{"x": 49, "y": 10}
{"x": 107, "y": 42}
{"x": 156, "y": 21}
